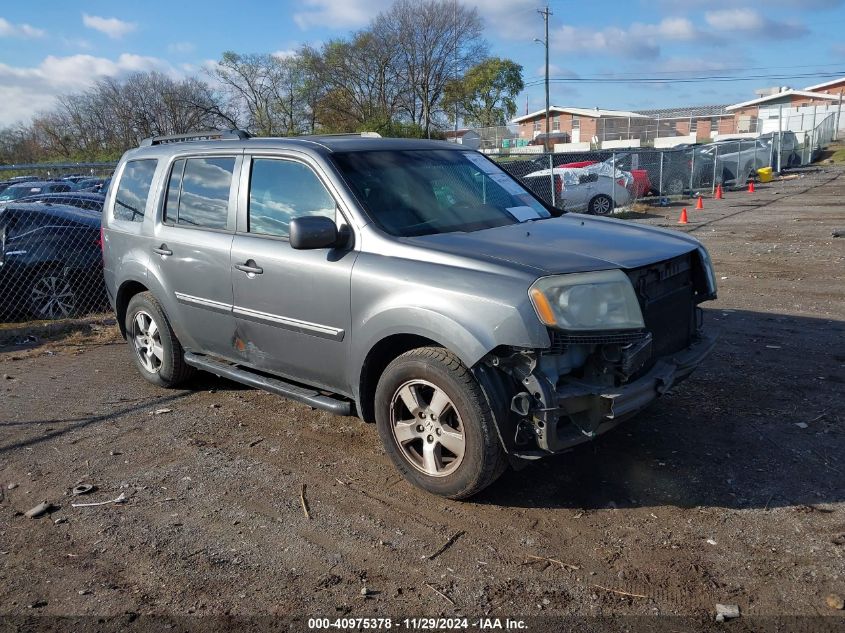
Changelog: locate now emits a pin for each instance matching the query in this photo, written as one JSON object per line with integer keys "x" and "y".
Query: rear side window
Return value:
{"x": 280, "y": 190}
{"x": 198, "y": 192}
{"x": 134, "y": 189}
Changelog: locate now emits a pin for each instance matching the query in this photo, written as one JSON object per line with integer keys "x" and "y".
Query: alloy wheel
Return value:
{"x": 427, "y": 428}
{"x": 52, "y": 297}
{"x": 146, "y": 338}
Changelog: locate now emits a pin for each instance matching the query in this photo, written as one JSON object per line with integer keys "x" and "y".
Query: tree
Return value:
{"x": 364, "y": 90}
{"x": 114, "y": 115}
{"x": 486, "y": 95}
{"x": 436, "y": 41}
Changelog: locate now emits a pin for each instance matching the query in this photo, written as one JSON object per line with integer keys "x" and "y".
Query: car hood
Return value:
{"x": 571, "y": 243}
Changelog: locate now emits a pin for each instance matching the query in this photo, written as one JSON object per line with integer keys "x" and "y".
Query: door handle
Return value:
{"x": 250, "y": 267}
{"x": 162, "y": 250}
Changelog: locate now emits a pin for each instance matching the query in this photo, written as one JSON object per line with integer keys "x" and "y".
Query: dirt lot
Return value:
{"x": 729, "y": 489}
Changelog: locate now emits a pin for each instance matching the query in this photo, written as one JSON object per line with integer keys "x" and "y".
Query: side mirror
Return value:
{"x": 313, "y": 231}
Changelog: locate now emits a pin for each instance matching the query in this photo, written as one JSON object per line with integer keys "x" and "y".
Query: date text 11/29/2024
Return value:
{"x": 418, "y": 624}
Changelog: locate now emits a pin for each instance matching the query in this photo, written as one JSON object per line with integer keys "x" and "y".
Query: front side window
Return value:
{"x": 198, "y": 192}
{"x": 421, "y": 192}
{"x": 280, "y": 190}
{"x": 130, "y": 201}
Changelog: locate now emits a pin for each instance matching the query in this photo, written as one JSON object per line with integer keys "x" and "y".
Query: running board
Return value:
{"x": 274, "y": 385}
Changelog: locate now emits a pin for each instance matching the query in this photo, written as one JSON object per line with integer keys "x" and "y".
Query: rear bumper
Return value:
{"x": 586, "y": 410}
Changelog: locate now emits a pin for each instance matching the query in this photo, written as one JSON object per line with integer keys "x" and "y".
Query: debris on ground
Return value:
{"x": 835, "y": 601}
{"x": 40, "y": 510}
{"x": 446, "y": 545}
{"x": 162, "y": 411}
{"x": 726, "y": 612}
{"x": 82, "y": 489}
{"x": 120, "y": 499}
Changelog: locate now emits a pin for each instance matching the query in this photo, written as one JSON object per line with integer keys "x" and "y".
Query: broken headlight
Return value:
{"x": 602, "y": 300}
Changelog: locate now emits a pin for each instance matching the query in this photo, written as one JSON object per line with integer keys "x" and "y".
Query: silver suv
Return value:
{"x": 411, "y": 283}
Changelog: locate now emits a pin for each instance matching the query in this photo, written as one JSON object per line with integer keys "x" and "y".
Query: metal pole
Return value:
{"x": 715, "y": 160}
{"x": 660, "y": 183}
{"x": 780, "y": 137}
{"x": 691, "y": 169}
{"x": 546, "y": 13}
{"x": 613, "y": 174}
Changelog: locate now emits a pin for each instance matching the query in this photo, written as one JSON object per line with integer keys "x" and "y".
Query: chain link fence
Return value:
{"x": 50, "y": 243}
{"x": 601, "y": 181}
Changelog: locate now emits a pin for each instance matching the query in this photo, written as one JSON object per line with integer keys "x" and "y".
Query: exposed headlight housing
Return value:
{"x": 602, "y": 300}
{"x": 707, "y": 264}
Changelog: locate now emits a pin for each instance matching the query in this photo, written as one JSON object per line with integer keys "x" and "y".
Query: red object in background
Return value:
{"x": 641, "y": 186}
{"x": 580, "y": 163}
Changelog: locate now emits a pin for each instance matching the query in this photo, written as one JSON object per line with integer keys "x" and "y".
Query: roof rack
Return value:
{"x": 209, "y": 135}
{"x": 348, "y": 135}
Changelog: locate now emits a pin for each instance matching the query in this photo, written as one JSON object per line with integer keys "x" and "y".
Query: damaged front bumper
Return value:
{"x": 555, "y": 417}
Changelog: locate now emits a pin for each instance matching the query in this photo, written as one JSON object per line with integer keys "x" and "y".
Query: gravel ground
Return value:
{"x": 728, "y": 490}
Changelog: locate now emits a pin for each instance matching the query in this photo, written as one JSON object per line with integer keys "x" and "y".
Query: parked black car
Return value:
{"x": 50, "y": 261}
{"x": 34, "y": 188}
{"x": 79, "y": 199}
{"x": 91, "y": 184}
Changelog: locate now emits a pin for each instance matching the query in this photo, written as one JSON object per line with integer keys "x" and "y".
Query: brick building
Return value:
{"x": 704, "y": 121}
{"x": 749, "y": 114}
{"x": 581, "y": 124}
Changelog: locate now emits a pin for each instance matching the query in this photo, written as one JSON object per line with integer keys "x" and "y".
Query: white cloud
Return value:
{"x": 181, "y": 47}
{"x": 554, "y": 71}
{"x": 284, "y": 54}
{"x": 7, "y": 29}
{"x": 24, "y": 91}
{"x": 337, "y": 14}
{"x": 112, "y": 27}
{"x": 639, "y": 40}
{"x": 753, "y": 23}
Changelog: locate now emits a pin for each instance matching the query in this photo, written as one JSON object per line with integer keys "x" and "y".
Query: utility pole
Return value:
{"x": 546, "y": 13}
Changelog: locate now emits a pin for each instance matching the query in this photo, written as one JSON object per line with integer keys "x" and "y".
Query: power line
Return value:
{"x": 721, "y": 70}
{"x": 651, "y": 80}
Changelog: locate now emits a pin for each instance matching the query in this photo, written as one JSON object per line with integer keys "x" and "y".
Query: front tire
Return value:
{"x": 436, "y": 425}
{"x": 600, "y": 205}
{"x": 157, "y": 353}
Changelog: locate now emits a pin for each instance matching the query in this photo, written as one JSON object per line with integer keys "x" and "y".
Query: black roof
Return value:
{"x": 38, "y": 183}
{"x": 57, "y": 212}
{"x": 686, "y": 112}
{"x": 61, "y": 195}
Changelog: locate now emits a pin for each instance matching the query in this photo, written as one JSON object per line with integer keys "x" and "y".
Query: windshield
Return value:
{"x": 14, "y": 192}
{"x": 420, "y": 192}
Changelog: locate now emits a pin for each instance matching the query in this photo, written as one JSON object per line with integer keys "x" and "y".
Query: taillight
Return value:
{"x": 100, "y": 240}
{"x": 621, "y": 182}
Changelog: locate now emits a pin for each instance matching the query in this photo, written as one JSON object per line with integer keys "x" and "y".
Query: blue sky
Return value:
{"x": 50, "y": 47}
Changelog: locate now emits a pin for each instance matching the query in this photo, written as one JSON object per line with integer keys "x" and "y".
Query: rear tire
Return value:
{"x": 436, "y": 425}
{"x": 601, "y": 204}
{"x": 157, "y": 353}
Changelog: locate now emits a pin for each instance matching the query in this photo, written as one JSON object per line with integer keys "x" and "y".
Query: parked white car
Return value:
{"x": 595, "y": 191}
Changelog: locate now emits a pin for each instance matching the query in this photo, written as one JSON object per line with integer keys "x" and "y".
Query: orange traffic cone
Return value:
{"x": 718, "y": 195}
{"x": 751, "y": 187}
{"x": 700, "y": 204}
{"x": 683, "y": 218}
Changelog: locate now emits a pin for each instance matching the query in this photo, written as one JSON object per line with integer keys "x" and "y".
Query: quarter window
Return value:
{"x": 198, "y": 192}
{"x": 130, "y": 201}
{"x": 280, "y": 190}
